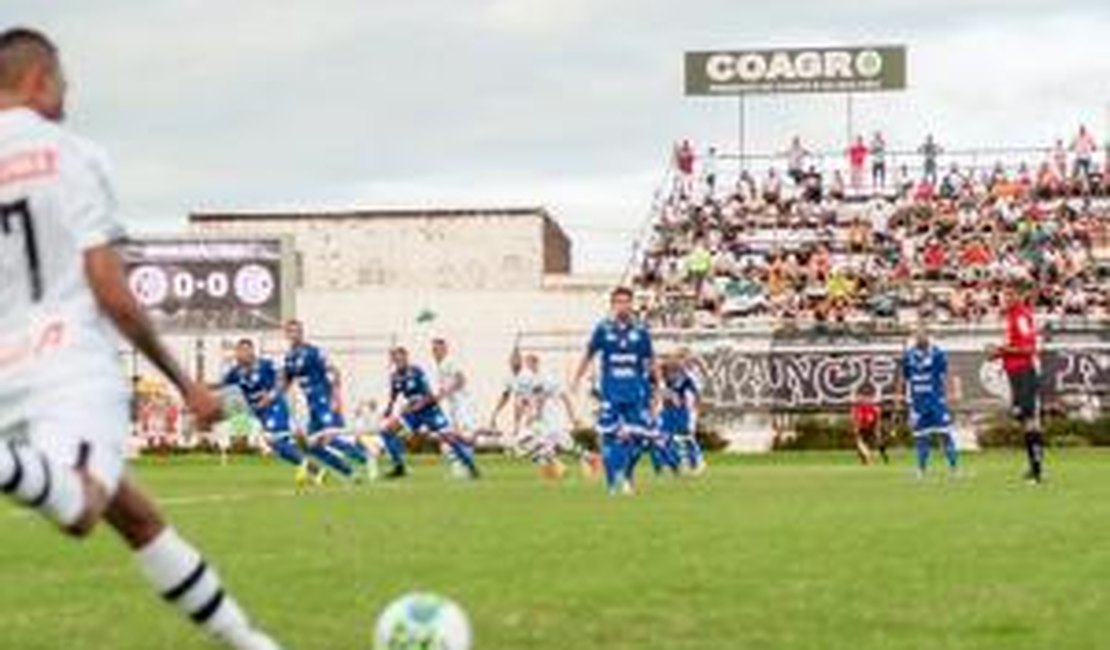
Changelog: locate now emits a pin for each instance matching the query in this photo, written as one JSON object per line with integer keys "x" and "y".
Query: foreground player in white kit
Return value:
{"x": 63, "y": 398}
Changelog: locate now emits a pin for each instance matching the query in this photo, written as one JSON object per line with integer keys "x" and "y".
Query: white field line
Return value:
{"x": 236, "y": 496}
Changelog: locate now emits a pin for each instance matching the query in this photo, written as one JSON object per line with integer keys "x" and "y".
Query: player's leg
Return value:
{"x": 1024, "y": 387}
{"x": 394, "y": 446}
{"x": 179, "y": 573}
{"x": 461, "y": 449}
{"x": 57, "y": 490}
{"x": 285, "y": 447}
{"x": 66, "y": 459}
{"x": 923, "y": 442}
{"x": 668, "y": 451}
{"x": 863, "y": 452}
{"x": 338, "y": 441}
{"x": 318, "y": 448}
{"x": 951, "y": 454}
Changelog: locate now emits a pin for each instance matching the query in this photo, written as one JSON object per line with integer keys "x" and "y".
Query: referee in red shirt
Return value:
{"x": 1019, "y": 359}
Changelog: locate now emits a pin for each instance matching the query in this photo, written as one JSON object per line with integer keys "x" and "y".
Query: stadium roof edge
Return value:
{"x": 369, "y": 213}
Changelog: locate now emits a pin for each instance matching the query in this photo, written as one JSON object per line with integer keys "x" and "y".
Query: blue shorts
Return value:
{"x": 925, "y": 421}
{"x": 323, "y": 419}
{"x": 274, "y": 421}
{"x": 674, "y": 422}
{"x": 429, "y": 418}
{"x": 631, "y": 418}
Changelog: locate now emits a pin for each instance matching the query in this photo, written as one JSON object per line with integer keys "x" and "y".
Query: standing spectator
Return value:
{"x": 857, "y": 156}
{"x": 795, "y": 160}
{"x": 878, "y": 161}
{"x": 929, "y": 151}
{"x": 1060, "y": 158}
{"x": 684, "y": 164}
{"x": 709, "y": 170}
{"x": 1084, "y": 148}
{"x": 904, "y": 181}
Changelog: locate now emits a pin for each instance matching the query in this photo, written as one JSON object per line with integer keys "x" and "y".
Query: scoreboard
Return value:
{"x": 202, "y": 284}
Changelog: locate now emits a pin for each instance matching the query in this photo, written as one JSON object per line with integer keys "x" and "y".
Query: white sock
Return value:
{"x": 179, "y": 573}
{"x": 35, "y": 481}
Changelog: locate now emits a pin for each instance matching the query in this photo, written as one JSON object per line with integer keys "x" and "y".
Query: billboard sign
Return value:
{"x": 796, "y": 70}
{"x": 194, "y": 284}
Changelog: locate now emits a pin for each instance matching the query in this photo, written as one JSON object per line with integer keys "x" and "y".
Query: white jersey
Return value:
{"x": 56, "y": 201}
{"x": 61, "y": 385}
{"x": 546, "y": 393}
{"x": 457, "y": 405}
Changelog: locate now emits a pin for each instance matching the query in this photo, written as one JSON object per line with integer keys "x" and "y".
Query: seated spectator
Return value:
{"x": 934, "y": 259}
{"x": 699, "y": 263}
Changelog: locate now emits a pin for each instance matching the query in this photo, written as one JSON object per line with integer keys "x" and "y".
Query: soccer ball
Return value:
{"x": 422, "y": 621}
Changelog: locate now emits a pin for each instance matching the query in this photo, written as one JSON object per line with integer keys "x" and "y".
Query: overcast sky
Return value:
{"x": 571, "y": 104}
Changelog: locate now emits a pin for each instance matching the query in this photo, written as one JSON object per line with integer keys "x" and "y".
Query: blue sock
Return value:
{"x": 614, "y": 456}
{"x": 923, "y": 443}
{"x": 330, "y": 458}
{"x": 463, "y": 452}
{"x": 668, "y": 454}
{"x": 693, "y": 451}
{"x": 287, "y": 450}
{"x": 950, "y": 449}
{"x": 395, "y": 447}
{"x": 655, "y": 453}
{"x": 349, "y": 449}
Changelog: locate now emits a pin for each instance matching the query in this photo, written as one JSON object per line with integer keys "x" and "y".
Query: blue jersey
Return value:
{"x": 410, "y": 383}
{"x": 679, "y": 393}
{"x": 256, "y": 381}
{"x": 626, "y": 357}
{"x": 307, "y": 365}
{"x": 925, "y": 373}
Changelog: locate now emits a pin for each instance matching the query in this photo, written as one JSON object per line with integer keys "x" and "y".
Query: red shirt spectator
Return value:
{"x": 684, "y": 158}
{"x": 857, "y": 156}
{"x": 934, "y": 257}
{"x": 975, "y": 254}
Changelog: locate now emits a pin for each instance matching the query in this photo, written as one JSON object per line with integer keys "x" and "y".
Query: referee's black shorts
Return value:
{"x": 1024, "y": 387}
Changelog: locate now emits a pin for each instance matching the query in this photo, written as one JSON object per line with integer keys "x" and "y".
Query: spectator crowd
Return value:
{"x": 812, "y": 246}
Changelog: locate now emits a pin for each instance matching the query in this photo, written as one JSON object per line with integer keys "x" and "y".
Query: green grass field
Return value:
{"x": 784, "y": 551}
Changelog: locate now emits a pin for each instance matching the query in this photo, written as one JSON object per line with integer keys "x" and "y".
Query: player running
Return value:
{"x": 63, "y": 399}
{"x": 257, "y": 379}
{"x": 452, "y": 386}
{"x": 518, "y": 390}
{"x": 419, "y": 414}
{"x": 925, "y": 373}
{"x": 318, "y": 380}
{"x": 678, "y": 412}
{"x": 545, "y": 438}
{"x": 623, "y": 346}
{"x": 1019, "y": 360}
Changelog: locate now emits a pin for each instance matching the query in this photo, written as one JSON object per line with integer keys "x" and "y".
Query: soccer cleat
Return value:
{"x": 398, "y": 471}
{"x": 302, "y": 477}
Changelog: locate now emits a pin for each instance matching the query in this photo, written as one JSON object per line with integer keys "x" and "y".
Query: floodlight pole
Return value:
{"x": 848, "y": 122}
